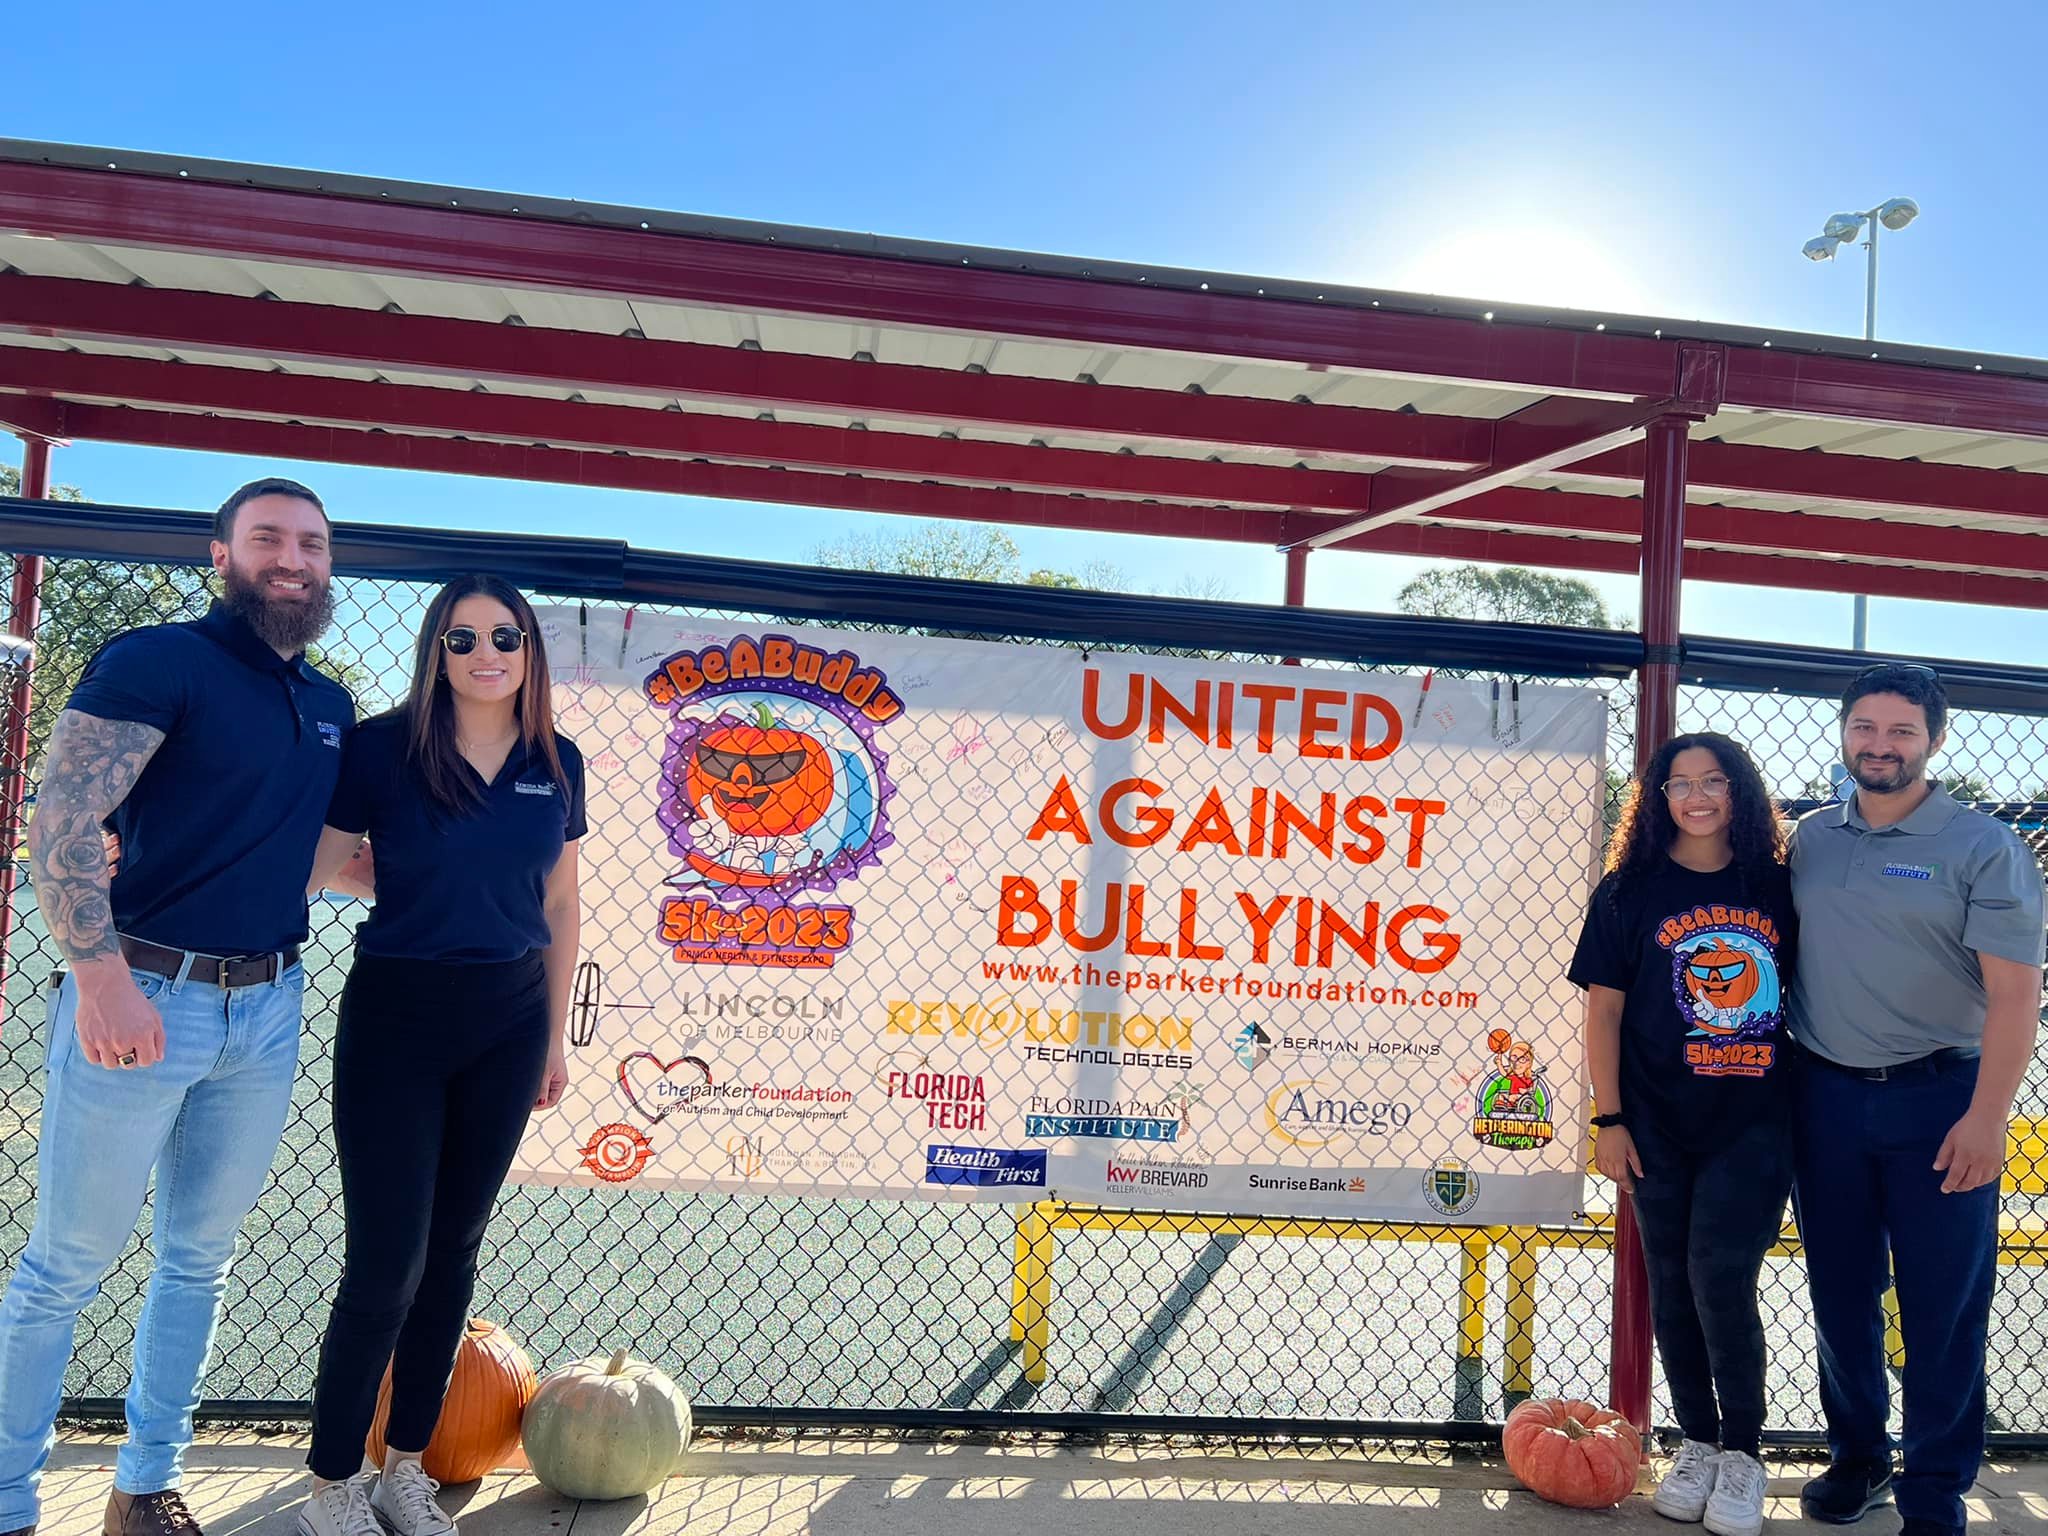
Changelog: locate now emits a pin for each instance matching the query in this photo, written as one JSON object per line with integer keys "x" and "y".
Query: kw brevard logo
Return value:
{"x": 1155, "y": 1175}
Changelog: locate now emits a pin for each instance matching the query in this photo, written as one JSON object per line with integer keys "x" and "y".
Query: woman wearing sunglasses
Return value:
{"x": 1685, "y": 958}
{"x": 451, "y": 1025}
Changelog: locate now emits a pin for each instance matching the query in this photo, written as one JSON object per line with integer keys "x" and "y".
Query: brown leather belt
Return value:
{"x": 214, "y": 970}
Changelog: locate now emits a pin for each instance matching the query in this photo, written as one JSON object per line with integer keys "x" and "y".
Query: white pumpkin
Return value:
{"x": 605, "y": 1429}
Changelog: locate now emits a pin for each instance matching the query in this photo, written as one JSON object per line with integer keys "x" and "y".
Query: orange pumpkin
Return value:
{"x": 1724, "y": 975}
{"x": 761, "y": 780}
{"x": 1572, "y": 1452}
{"x": 479, "y": 1426}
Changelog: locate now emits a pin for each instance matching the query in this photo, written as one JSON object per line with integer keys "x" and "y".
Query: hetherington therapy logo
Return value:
{"x": 773, "y": 791}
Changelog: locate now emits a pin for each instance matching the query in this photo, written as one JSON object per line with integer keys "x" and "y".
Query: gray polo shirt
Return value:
{"x": 1891, "y": 921}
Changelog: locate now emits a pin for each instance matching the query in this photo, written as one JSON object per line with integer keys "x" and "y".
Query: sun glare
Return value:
{"x": 1526, "y": 264}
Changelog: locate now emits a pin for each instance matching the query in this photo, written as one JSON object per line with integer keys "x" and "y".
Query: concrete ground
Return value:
{"x": 246, "y": 1485}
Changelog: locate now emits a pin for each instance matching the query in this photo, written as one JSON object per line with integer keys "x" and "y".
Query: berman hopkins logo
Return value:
{"x": 985, "y": 1167}
{"x": 1254, "y": 1045}
{"x": 773, "y": 790}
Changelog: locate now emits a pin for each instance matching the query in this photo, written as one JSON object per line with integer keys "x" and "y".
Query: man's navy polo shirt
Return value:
{"x": 217, "y": 836}
{"x": 463, "y": 887}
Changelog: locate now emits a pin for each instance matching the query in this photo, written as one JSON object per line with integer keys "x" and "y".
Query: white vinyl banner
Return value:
{"x": 883, "y": 916}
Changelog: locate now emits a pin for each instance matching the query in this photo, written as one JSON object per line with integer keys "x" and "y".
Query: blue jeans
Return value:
{"x": 1870, "y": 1206}
{"x": 207, "y": 1119}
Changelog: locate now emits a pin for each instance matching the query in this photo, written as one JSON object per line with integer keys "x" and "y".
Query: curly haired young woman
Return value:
{"x": 1685, "y": 956}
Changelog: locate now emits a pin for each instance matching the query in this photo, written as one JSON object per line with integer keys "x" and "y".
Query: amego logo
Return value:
{"x": 985, "y": 1167}
{"x": 1144, "y": 1175}
{"x": 1303, "y": 1114}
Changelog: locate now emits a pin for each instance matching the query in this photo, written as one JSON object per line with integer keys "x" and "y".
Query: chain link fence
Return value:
{"x": 777, "y": 1309}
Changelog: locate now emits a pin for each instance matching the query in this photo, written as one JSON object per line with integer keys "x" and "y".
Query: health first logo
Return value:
{"x": 985, "y": 1167}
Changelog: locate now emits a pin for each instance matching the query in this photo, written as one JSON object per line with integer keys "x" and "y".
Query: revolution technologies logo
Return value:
{"x": 773, "y": 792}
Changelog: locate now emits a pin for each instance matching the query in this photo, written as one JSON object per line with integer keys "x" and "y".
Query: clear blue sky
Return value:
{"x": 1662, "y": 159}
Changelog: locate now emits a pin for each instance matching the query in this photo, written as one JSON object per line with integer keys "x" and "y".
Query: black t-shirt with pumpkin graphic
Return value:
{"x": 1704, "y": 961}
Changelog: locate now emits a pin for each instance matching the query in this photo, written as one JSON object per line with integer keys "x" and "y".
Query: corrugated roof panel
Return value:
{"x": 812, "y": 338}
{"x": 317, "y": 285}
{"x": 1037, "y": 359}
{"x": 572, "y": 312}
{"x": 923, "y": 349}
{"x": 177, "y": 269}
{"x": 62, "y": 258}
{"x": 453, "y": 301}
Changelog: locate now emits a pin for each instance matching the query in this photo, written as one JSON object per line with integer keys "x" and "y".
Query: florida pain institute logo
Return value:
{"x": 773, "y": 793}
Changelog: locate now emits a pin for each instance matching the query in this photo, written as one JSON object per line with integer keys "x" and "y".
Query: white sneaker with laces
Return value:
{"x": 404, "y": 1503}
{"x": 1737, "y": 1507}
{"x": 1687, "y": 1487}
{"x": 339, "y": 1509}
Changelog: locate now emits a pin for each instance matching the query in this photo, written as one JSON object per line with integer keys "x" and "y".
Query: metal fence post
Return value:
{"x": 23, "y": 615}
{"x": 1656, "y": 710}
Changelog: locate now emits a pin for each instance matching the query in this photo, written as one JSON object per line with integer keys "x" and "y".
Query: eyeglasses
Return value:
{"x": 1714, "y": 786}
{"x": 462, "y": 639}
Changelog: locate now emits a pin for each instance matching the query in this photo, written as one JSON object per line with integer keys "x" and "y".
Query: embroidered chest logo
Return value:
{"x": 529, "y": 787}
{"x": 1912, "y": 871}
{"x": 1724, "y": 978}
{"x": 329, "y": 733}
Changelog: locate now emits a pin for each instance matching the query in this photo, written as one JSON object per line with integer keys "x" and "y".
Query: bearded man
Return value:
{"x": 210, "y": 750}
{"x": 1915, "y": 1002}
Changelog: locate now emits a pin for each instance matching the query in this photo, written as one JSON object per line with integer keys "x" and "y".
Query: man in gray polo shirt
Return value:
{"x": 1915, "y": 1002}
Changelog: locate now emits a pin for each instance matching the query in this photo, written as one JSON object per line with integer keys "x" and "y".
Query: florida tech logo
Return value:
{"x": 773, "y": 792}
{"x": 616, "y": 1153}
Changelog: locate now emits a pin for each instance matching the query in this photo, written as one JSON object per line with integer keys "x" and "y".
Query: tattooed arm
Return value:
{"x": 91, "y": 766}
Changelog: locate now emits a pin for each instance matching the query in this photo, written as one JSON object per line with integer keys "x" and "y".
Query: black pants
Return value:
{"x": 1708, "y": 1215}
{"x": 436, "y": 1067}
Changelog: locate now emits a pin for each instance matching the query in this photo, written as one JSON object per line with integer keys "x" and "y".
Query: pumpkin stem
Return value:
{"x": 618, "y": 1363}
{"x": 1574, "y": 1430}
{"x": 765, "y": 716}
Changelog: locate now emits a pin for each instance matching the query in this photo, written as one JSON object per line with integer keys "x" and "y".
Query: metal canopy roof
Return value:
{"x": 247, "y": 309}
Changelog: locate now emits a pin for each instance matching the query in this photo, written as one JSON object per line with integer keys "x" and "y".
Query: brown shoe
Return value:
{"x": 26, "y": 1530}
{"x": 149, "y": 1514}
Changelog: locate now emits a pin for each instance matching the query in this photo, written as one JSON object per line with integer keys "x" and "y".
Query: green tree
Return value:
{"x": 1966, "y": 787}
{"x": 86, "y": 603}
{"x": 1513, "y": 595}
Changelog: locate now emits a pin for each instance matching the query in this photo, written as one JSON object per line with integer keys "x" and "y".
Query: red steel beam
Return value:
{"x": 1899, "y": 394}
{"x": 360, "y": 235}
{"x": 391, "y": 450}
{"x": 681, "y": 477}
{"x": 23, "y": 617}
{"x": 225, "y": 323}
{"x": 1774, "y": 533}
{"x": 641, "y": 429}
{"x": 1843, "y": 479}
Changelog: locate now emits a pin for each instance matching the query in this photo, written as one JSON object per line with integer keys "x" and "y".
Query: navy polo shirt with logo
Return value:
{"x": 464, "y": 887}
{"x": 217, "y": 835}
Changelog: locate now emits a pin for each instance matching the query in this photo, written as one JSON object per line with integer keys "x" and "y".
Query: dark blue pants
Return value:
{"x": 1708, "y": 1215}
{"x": 1867, "y": 1187}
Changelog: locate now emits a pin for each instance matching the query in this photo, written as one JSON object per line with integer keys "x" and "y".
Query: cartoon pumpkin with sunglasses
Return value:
{"x": 756, "y": 788}
{"x": 1721, "y": 980}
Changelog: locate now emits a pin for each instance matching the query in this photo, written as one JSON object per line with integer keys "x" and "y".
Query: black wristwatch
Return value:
{"x": 1603, "y": 1121}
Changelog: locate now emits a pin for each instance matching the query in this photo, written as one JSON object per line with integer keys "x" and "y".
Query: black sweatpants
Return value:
{"x": 436, "y": 1069}
{"x": 1708, "y": 1215}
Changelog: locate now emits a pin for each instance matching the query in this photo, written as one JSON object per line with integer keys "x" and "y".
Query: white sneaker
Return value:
{"x": 403, "y": 1503}
{"x": 1687, "y": 1487}
{"x": 1737, "y": 1507}
{"x": 339, "y": 1509}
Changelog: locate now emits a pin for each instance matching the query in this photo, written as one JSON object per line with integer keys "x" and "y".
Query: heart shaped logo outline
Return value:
{"x": 654, "y": 1116}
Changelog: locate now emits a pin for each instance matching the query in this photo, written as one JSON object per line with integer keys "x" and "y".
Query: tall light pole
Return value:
{"x": 1894, "y": 214}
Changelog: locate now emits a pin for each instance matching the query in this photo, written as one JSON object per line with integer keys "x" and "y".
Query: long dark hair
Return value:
{"x": 1646, "y": 830}
{"x": 430, "y": 707}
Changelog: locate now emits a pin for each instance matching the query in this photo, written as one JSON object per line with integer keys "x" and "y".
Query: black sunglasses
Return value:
{"x": 462, "y": 639}
{"x": 1912, "y": 668}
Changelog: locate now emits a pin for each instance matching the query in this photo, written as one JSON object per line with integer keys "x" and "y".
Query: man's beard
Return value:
{"x": 1888, "y": 778}
{"x": 279, "y": 622}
